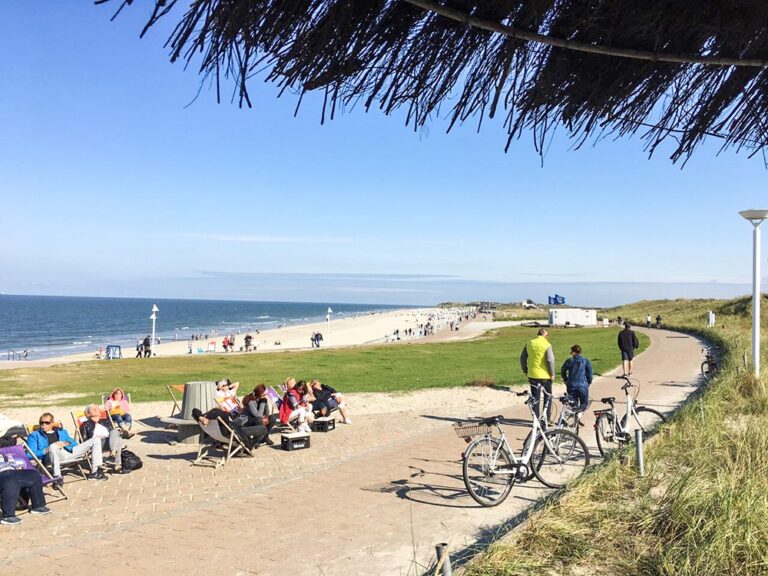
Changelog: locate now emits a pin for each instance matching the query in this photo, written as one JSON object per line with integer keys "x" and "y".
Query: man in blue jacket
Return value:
{"x": 55, "y": 447}
{"x": 577, "y": 375}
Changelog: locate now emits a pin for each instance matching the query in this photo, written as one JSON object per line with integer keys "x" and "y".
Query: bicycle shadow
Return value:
{"x": 432, "y": 485}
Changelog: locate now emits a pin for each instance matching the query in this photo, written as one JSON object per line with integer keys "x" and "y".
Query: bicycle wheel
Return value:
{"x": 705, "y": 370}
{"x": 607, "y": 436}
{"x": 566, "y": 460}
{"x": 482, "y": 460}
{"x": 644, "y": 418}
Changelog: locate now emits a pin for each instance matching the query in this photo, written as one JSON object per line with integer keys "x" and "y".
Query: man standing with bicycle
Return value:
{"x": 628, "y": 343}
{"x": 538, "y": 363}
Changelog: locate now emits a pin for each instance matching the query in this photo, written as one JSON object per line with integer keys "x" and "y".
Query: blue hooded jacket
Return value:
{"x": 577, "y": 371}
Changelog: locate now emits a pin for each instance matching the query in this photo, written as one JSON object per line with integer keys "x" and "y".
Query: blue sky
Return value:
{"x": 118, "y": 179}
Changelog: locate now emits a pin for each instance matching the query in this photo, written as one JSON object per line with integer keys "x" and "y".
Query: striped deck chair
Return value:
{"x": 214, "y": 439}
{"x": 19, "y": 454}
{"x": 278, "y": 401}
{"x": 105, "y": 397}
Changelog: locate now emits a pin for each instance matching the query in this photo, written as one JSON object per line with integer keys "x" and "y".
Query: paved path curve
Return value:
{"x": 369, "y": 499}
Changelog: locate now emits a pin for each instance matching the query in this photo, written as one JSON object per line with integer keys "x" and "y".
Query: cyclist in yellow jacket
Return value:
{"x": 538, "y": 363}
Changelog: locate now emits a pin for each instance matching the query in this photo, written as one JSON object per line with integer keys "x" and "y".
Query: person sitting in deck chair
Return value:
{"x": 252, "y": 436}
{"x": 100, "y": 426}
{"x": 120, "y": 411}
{"x": 295, "y": 409}
{"x": 14, "y": 479}
{"x": 54, "y": 446}
{"x": 226, "y": 388}
{"x": 326, "y": 399}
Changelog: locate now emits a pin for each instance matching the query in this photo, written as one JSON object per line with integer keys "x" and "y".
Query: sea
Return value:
{"x": 49, "y": 326}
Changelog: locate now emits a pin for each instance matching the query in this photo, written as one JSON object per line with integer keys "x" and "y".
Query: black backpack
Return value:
{"x": 130, "y": 461}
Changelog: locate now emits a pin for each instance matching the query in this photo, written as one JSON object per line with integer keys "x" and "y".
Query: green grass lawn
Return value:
{"x": 491, "y": 359}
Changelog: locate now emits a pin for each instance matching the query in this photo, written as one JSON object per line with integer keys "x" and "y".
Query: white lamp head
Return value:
{"x": 756, "y": 217}
{"x": 156, "y": 309}
{"x": 153, "y": 317}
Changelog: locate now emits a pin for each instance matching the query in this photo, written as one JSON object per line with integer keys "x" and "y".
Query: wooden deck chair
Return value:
{"x": 213, "y": 439}
{"x": 230, "y": 404}
{"x": 273, "y": 395}
{"x": 105, "y": 397}
{"x": 19, "y": 454}
{"x": 80, "y": 418}
{"x": 78, "y": 464}
{"x": 179, "y": 388}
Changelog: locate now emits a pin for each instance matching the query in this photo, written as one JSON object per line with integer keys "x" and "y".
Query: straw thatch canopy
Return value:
{"x": 670, "y": 70}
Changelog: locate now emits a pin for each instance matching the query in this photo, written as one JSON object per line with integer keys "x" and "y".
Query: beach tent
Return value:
{"x": 113, "y": 352}
{"x": 672, "y": 72}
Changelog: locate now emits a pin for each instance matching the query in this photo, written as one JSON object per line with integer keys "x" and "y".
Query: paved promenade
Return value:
{"x": 372, "y": 498}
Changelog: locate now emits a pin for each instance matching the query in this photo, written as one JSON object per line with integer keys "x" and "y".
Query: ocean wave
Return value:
{"x": 267, "y": 316}
{"x": 82, "y": 342}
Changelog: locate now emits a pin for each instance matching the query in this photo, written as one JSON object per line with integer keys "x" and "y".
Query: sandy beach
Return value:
{"x": 373, "y": 328}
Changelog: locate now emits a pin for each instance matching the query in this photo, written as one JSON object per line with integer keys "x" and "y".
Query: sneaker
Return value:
{"x": 10, "y": 520}
{"x": 97, "y": 475}
{"x": 305, "y": 428}
{"x": 269, "y": 441}
{"x": 346, "y": 421}
{"x": 42, "y": 510}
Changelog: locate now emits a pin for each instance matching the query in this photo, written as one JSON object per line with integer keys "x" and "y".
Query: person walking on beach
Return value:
{"x": 577, "y": 375}
{"x": 139, "y": 348}
{"x": 538, "y": 363}
{"x": 628, "y": 343}
{"x": 147, "y": 347}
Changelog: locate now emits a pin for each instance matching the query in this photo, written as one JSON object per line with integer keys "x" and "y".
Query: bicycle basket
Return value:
{"x": 470, "y": 429}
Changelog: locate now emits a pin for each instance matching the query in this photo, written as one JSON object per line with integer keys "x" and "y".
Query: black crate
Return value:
{"x": 324, "y": 424}
{"x": 294, "y": 441}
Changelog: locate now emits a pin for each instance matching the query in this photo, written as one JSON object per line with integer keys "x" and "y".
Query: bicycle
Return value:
{"x": 568, "y": 419}
{"x": 491, "y": 467}
{"x": 709, "y": 366}
{"x": 612, "y": 433}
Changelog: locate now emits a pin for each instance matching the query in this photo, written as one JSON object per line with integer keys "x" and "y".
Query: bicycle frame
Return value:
{"x": 525, "y": 456}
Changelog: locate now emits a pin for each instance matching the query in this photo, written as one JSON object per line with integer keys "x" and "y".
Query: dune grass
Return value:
{"x": 493, "y": 359}
{"x": 701, "y": 509}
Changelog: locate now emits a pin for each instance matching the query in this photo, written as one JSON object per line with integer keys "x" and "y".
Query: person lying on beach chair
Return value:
{"x": 251, "y": 436}
{"x": 119, "y": 408}
{"x": 98, "y": 425}
{"x": 326, "y": 400}
{"x": 295, "y": 409}
{"x": 14, "y": 477}
{"x": 54, "y": 446}
{"x": 226, "y": 388}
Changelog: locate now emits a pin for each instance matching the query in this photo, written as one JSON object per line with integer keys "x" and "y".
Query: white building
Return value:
{"x": 572, "y": 317}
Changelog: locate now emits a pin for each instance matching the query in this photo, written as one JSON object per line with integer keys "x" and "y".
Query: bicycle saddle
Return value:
{"x": 608, "y": 400}
{"x": 492, "y": 421}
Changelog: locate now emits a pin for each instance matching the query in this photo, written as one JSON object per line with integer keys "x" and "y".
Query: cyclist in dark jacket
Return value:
{"x": 628, "y": 343}
{"x": 577, "y": 375}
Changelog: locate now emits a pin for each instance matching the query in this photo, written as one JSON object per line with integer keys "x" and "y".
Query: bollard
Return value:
{"x": 639, "y": 448}
{"x": 443, "y": 559}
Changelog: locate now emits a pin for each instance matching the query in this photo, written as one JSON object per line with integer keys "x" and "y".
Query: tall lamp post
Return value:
{"x": 155, "y": 310}
{"x": 328, "y": 320}
{"x": 755, "y": 217}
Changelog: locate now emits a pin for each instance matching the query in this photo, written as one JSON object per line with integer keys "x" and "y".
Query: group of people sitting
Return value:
{"x": 255, "y": 417}
{"x": 53, "y": 446}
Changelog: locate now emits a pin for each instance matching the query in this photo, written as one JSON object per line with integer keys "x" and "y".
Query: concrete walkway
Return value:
{"x": 369, "y": 499}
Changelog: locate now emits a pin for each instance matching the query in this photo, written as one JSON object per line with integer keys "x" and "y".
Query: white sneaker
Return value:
{"x": 346, "y": 421}
{"x": 305, "y": 428}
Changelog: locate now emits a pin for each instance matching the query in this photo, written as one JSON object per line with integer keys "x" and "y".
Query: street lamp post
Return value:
{"x": 328, "y": 320}
{"x": 755, "y": 217}
{"x": 155, "y": 310}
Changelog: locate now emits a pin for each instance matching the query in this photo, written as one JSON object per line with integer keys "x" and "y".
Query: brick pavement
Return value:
{"x": 371, "y": 498}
